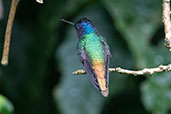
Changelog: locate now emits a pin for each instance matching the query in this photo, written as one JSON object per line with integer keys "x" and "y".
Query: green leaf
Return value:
{"x": 6, "y": 106}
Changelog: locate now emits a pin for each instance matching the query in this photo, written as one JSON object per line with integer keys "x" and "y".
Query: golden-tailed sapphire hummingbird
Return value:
{"x": 94, "y": 54}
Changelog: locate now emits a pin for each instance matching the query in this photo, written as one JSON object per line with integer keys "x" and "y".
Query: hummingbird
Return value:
{"x": 94, "y": 54}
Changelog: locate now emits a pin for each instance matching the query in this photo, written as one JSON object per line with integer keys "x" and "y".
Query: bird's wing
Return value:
{"x": 106, "y": 47}
{"x": 87, "y": 65}
{"x": 107, "y": 58}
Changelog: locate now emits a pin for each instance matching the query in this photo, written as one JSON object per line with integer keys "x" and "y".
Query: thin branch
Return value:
{"x": 5, "y": 55}
{"x": 167, "y": 23}
{"x": 150, "y": 71}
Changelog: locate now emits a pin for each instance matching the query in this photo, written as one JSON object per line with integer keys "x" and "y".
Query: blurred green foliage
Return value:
{"x": 6, "y": 106}
{"x": 39, "y": 80}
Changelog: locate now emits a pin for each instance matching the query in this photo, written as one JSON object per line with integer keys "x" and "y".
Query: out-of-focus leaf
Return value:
{"x": 157, "y": 93}
{"x": 75, "y": 94}
{"x": 6, "y": 106}
{"x": 156, "y": 90}
{"x": 137, "y": 21}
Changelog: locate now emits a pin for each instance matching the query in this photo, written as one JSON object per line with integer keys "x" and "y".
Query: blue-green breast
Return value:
{"x": 93, "y": 47}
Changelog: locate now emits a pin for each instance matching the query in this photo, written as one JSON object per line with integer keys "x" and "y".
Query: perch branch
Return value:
{"x": 167, "y": 23}
{"x": 5, "y": 55}
{"x": 150, "y": 71}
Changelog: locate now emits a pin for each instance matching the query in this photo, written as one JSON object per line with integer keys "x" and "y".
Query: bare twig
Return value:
{"x": 39, "y": 1}
{"x": 167, "y": 23}
{"x": 4, "y": 60}
{"x": 150, "y": 71}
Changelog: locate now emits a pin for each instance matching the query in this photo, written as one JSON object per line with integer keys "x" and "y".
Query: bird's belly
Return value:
{"x": 96, "y": 55}
{"x": 99, "y": 69}
{"x": 95, "y": 51}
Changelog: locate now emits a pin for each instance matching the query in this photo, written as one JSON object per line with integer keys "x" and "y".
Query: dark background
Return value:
{"x": 39, "y": 80}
